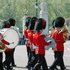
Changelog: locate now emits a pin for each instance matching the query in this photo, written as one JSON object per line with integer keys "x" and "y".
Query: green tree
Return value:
{"x": 17, "y": 8}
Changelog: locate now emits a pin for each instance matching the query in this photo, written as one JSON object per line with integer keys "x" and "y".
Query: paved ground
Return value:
{"x": 21, "y": 56}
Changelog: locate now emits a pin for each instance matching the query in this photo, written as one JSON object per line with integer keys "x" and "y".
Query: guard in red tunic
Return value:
{"x": 40, "y": 42}
{"x": 59, "y": 47}
{"x": 30, "y": 37}
{"x": 26, "y": 31}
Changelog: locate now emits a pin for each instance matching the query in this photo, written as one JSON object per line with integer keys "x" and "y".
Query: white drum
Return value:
{"x": 52, "y": 45}
{"x": 11, "y": 36}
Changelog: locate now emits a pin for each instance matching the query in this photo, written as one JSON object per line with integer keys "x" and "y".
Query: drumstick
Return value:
{"x": 12, "y": 43}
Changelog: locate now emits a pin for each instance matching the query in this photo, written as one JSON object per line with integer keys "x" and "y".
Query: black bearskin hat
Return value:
{"x": 59, "y": 22}
{"x": 41, "y": 24}
{"x": 6, "y": 24}
{"x": 12, "y": 21}
{"x": 53, "y": 23}
{"x": 33, "y": 22}
{"x": 27, "y": 21}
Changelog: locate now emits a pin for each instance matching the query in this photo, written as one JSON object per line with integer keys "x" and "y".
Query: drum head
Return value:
{"x": 2, "y": 31}
{"x": 12, "y": 37}
{"x": 52, "y": 45}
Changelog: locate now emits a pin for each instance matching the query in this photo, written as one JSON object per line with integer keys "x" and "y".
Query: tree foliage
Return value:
{"x": 17, "y": 8}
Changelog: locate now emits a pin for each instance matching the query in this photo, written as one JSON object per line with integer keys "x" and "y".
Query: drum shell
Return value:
{"x": 11, "y": 36}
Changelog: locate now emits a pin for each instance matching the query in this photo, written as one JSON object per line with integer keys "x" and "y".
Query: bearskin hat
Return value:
{"x": 53, "y": 23}
{"x": 33, "y": 22}
{"x": 12, "y": 21}
{"x": 59, "y": 22}
{"x": 41, "y": 24}
{"x": 6, "y": 24}
{"x": 27, "y": 21}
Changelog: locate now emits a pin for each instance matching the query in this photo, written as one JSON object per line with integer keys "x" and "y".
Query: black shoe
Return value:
{"x": 9, "y": 68}
{"x": 64, "y": 68}
{"x": 14, "y": 65}
{"x": 51, "y": 69}
{"x": 56, "y": 68}
{"x": 27, "y": 66}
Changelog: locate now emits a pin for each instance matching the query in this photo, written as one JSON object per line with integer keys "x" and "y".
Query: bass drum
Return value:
{"x": 10, "y": 35}
{"x": 52, "y": 45}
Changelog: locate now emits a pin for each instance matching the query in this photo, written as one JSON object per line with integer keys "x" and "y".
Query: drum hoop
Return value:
{"x": 14, "y": 30}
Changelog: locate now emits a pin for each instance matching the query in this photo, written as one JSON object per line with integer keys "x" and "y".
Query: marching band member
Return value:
{"x": 51, "y": 35}
{"x": 26, "y": 31}
{"x": 57, "y": 35}
{"x": 30, "y": 37}
{"x": 40, "y": 43}
{"x": 2, "y": 47}
{"x": 12, "y": 25}
{"x": 7, "y": 52}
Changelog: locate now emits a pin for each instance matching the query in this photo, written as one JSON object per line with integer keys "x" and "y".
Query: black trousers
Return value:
{"x": 58, "y": 60}
{"x": 34, "y": 60}
{"x": 41, "y": 62}
{"x": 12, "y": 57}
{"x": 7, "y": 59}
{"x": 29, "y": 54}
{"x": 1, "y": 58}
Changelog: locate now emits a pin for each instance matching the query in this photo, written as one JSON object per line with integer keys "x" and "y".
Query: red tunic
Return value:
{"x": 30, "y": 36}
{"x": 40, "y": 43}
{"x": 5, "y": 42}
{"x": 2, "y": 39}
{"x": 8, "y": 50}
{"x": 58, "y": 37}
{"x": 26, "y": 31}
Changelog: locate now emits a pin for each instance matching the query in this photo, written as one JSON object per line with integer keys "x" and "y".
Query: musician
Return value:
{"x": 30, "y": 37}
{"x": 7, "y": 52}
{"x": 59, "y": 47}
{"x": 26, "y": 31}
{"x": 40, "y": 42}
{"x": 2, "y": 47}
{"x": 12, "y": 23}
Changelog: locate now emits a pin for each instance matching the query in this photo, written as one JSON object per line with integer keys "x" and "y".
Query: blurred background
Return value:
{"x": 18, "y": 8}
